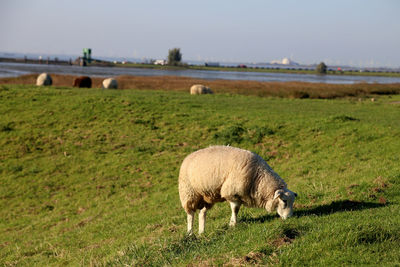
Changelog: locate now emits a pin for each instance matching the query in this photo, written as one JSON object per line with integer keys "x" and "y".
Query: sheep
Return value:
{"x": 199, "y": 89}
{"x": 224, "y": 173}
{"x": 110, "y": 83}
{"x": 83, "y": 81}
{"x": 44, "y": 79}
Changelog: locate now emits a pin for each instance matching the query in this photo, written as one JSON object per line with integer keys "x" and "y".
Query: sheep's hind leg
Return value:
{"x": 235, "y": 206}
{"x": 190, "y": 217}
{"x": 202, "y": 220}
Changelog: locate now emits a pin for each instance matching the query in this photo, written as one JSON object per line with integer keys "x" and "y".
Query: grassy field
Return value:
{"x": 89, "y": 177}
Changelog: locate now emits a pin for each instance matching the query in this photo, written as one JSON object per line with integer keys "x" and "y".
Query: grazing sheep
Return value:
{"x": 199, "y": 89}
{"x": 110, "y": 83}
{"x": 44, "y": 79}
{"x": 224, "y": 173}
{"x": 83, "y": 82}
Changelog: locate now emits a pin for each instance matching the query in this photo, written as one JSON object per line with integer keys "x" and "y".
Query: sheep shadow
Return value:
{"x": 260, "y": 219}
{"x": 338, "y": 206}
{"x": 333, "y": 207}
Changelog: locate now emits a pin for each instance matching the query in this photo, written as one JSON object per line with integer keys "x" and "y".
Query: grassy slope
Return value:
{"x": 90, "y": 177}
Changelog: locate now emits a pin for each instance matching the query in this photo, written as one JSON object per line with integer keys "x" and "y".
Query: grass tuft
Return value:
{"x": 343, "y": 118}
{"x": 232, "y": 134}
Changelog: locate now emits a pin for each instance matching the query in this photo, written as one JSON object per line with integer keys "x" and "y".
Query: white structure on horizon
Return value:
{"x": 284, "y": 61}
{"x": 160, "y": 62}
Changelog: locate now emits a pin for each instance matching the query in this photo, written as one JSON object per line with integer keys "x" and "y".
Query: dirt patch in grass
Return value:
{"x": 287, "y": 236}
{"x": 380, "y": 186}
{"x": 282, "y": 241}
{"x": 253, "y": 258}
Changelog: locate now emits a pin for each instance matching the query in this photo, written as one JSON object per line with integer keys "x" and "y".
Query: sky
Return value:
{"x": 360, "y": 33}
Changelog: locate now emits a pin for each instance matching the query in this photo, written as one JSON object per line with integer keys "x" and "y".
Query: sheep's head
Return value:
{"x": 285, "y": 199}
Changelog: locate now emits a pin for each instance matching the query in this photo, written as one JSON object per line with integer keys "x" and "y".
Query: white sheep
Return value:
{"x": 44, "y": 79}
{"x": 199, "y": 89}
{"x": 110, "y": 83}
{"x": 224, "y": 173}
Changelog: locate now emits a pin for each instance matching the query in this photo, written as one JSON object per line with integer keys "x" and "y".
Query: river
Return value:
{"x": 17, "y": 69}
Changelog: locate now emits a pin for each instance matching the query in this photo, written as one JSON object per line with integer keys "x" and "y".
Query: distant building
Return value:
{"x": 284, "y": 61}
{"x": 160, "y": 62}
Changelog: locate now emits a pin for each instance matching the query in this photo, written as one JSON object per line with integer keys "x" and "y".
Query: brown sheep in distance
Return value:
{"x": 83, "y": 82}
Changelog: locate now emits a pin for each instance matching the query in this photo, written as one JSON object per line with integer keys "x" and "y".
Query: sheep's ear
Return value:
{"x": 278, "y": 193}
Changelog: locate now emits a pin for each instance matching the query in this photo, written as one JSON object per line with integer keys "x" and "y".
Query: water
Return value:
{"x": 16, "y": 69}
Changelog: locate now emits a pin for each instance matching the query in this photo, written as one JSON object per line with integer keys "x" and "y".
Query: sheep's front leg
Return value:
{"x": 190, "y": 217}
{"x": 202, "y": 220}
{"x": 235, "y": 206}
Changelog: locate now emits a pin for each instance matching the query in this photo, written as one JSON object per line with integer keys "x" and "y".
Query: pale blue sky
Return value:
{"x": 351, "y": 32}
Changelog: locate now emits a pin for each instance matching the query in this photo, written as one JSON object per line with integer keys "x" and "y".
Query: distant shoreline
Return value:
{"x": 54, "y": 61}
{"x": 239, "y": 68}
{"x": 34, "y": 61}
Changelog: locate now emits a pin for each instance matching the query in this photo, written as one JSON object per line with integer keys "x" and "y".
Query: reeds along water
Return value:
{"x": 263, "y": 89}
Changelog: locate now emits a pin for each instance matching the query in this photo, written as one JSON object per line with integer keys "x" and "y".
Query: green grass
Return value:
{"x": 89, "y": 177}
